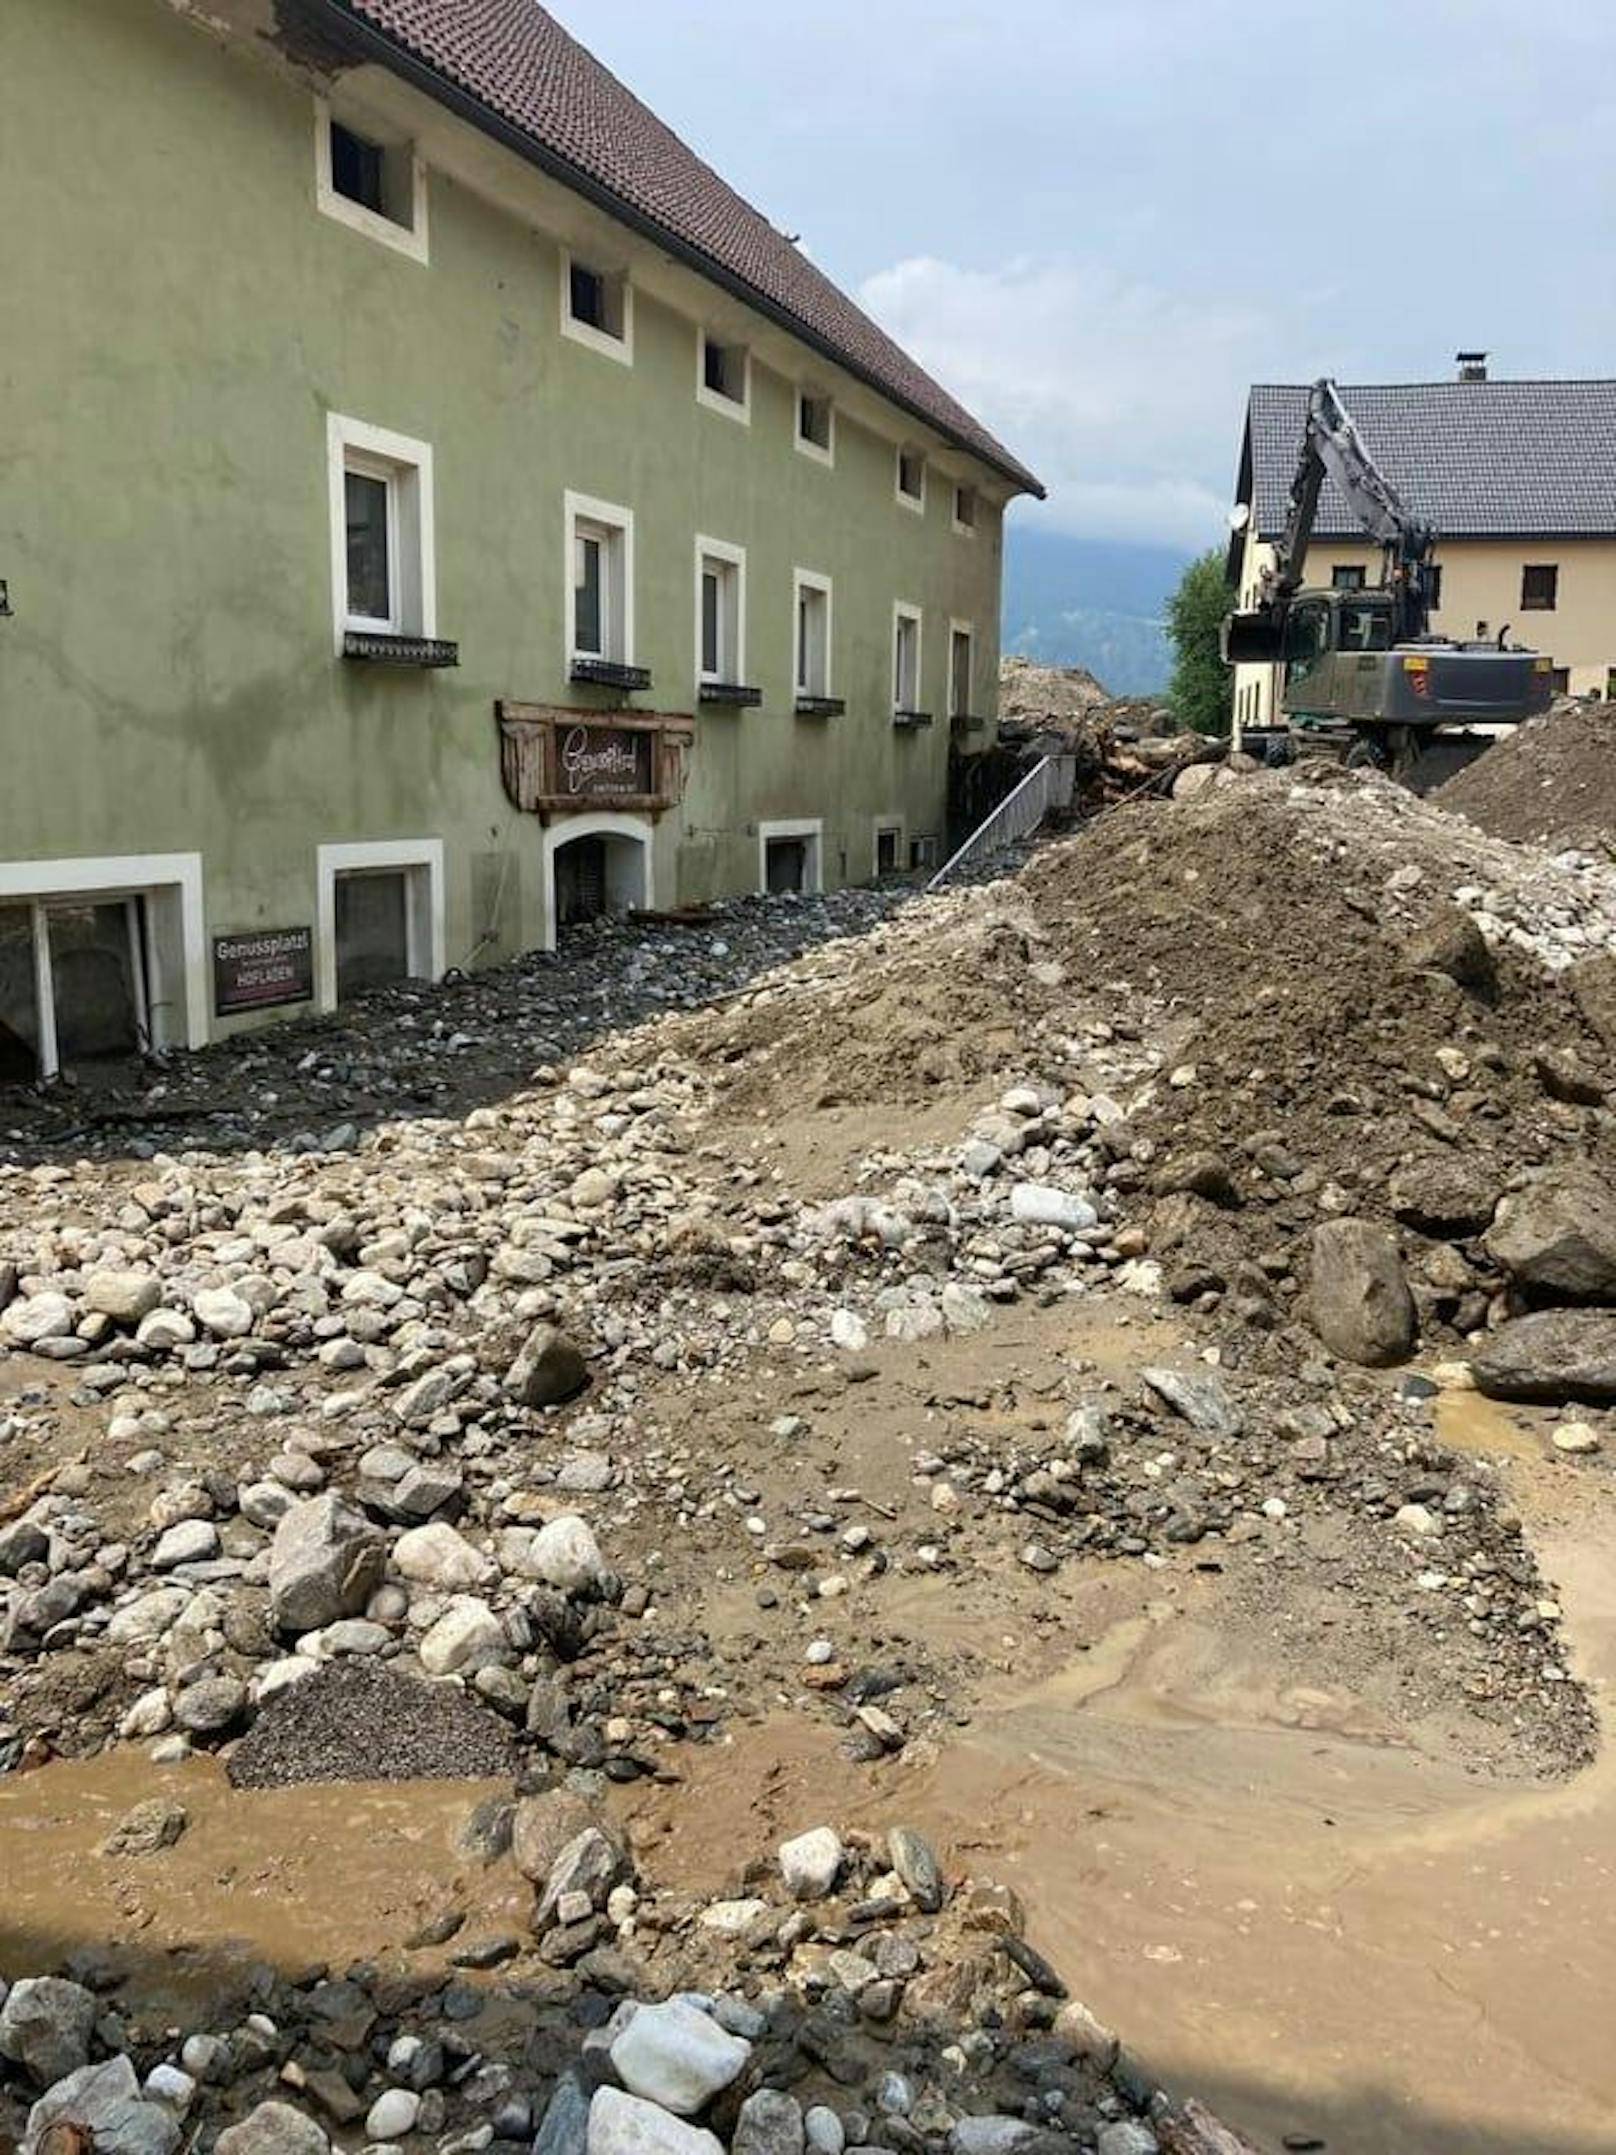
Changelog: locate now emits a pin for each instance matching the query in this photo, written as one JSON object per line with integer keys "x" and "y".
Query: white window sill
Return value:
{"x": 598, "y": 340}
{"x": 740, "y": 411}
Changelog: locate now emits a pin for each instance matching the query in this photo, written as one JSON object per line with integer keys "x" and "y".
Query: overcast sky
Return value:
{"x": 1097, "y": 221}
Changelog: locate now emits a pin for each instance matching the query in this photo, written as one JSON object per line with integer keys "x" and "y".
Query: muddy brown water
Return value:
{"x": 1281, "y": 1902}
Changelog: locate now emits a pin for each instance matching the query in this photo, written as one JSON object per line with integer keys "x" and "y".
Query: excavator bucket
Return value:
{"x": 1253, "y": 639}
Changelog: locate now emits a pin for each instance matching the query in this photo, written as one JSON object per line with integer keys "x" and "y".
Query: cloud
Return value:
{"x": 1125, "y": 399}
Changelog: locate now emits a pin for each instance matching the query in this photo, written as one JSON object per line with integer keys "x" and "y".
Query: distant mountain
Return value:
{"x": 1091, "y": 602}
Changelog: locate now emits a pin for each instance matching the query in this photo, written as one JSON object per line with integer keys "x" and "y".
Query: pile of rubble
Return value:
{"x": 847, "y": 1997}
{"x": 1549, "y": 782}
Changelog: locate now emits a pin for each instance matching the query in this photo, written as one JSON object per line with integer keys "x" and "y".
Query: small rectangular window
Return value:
{"x": 1434, "y": 583}
{"x": 911, "y": 477}
{"x": 371, "y": 181}
{"x": 813, "y": 640}
{"x": 1540, "y": 587}
{"x": 358, "y": 169}
{"x": 372, "y": 545}
{"x": 1346, "y": 576}
{"x": 724, "y": 373}
{"x": 906, "y": 663}
{"x": 596, "y": 301}
{"x": 965, "y": 508}
{"x": 886, "y": 849}
{"x": 814, "y": 422}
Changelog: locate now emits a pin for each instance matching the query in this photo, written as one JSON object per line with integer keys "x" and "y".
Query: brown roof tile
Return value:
{"x": 523, "y": 73}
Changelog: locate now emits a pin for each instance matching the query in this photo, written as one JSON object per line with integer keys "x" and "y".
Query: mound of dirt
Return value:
{"x": 1551, "y": 781}
{"x": 1344, "y": 1033}
{"x": 1028, "y": 690}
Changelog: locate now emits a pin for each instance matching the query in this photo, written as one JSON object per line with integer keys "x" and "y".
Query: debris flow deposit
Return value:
{"x": 964, "y": 1524}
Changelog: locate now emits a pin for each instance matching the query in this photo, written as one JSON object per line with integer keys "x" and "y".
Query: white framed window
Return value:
{"x": 98, "y": 957}
{"x": 906, "y": 625}
{"x": 370, "y": 181}
{"x": 810, "y": 633}
{"x": 909, "y": 480}
{"x": 383, "y": 570}
{"x": 816, "y": 426}
{"x": 961, "y": 668}
{"x": 378, "y": 916}
{"x": 964, "y": 511}
{"x": 724, "y": 377}
{"x": 888, "y": 854}
{"x": 791, "y": 856}
{"x": 597, "y": 308}
{"x": 600, "y": 580}
{"x": 720, "y": 611}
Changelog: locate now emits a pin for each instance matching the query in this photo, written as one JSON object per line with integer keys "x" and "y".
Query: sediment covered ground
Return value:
{"x": 1039, "y": 1321}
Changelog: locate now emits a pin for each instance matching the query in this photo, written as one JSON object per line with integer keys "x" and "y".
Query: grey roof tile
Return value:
{"x": 1495, "y": 459}
{"x": 517, "y": 64}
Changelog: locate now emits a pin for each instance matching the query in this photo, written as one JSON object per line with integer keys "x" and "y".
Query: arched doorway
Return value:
{"x": 594, "y": 865}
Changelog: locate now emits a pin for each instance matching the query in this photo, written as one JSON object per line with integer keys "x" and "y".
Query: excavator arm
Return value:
{"x": 1332, "y": 448}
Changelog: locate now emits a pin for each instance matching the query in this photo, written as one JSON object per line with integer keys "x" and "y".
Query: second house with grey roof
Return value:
{"x": 1519, "y": 479}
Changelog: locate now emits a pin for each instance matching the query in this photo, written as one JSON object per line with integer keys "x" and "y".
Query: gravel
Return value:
{"x": 355, "y": 1721}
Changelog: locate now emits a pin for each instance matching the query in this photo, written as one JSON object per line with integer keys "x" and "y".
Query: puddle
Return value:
{"x": 292, "y": 1876}
{"x": 1283, "y": 1905}
{"x": 1467, "y": 1422}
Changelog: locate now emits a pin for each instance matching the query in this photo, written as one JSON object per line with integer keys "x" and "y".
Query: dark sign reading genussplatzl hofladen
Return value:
{"x": 262, "y": 970}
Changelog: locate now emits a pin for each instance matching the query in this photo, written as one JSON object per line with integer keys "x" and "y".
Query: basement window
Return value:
{"x": 723, "y": 380}
{"x": 374, "y": 184}
{"x": 1540, "y": 587}
{"x": 911, "y": 480}
{"x": 73, "y": 983}
{"x": 597, "y": 308}
{"x": 888, "y": 840}
{"x": 816, "y": 420}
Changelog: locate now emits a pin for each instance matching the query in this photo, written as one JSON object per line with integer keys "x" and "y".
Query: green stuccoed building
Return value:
{"x": 434, "y": 509}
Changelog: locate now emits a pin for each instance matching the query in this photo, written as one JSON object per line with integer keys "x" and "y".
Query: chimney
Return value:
{"x": 1472, "y": 366}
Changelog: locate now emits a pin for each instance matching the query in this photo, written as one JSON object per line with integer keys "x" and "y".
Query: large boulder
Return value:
{"x": 1447, "y": 941}
{"x": 45, "y": 2027}
{"x": 273, "y": 2129}
{"x": 1557, "y": 1238}
{"x": 622, "y": 2124}
{"x": 1445, "y": 1195}
{"x": 1556, "y": 1354}
{"x": 105, "y": 2100}
{"x": 542, "y": 1827}
{"x": 678, "y": 2056}
{"x": 124, "y": 1296}
{"x": 1362, "y": 1309}
{"x": 325, "y": 1562}
{"x": 548, "y": 1367}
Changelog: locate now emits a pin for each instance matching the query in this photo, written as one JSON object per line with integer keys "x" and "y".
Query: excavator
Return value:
{"x": 1364, "y": 675}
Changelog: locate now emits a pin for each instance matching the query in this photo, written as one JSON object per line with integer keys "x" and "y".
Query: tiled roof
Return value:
{"x": 1495, "y": 459}
{"x": 514, "y": 62}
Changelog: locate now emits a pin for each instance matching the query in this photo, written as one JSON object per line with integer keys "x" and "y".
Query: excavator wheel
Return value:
{"x": 1369, "y": 752}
